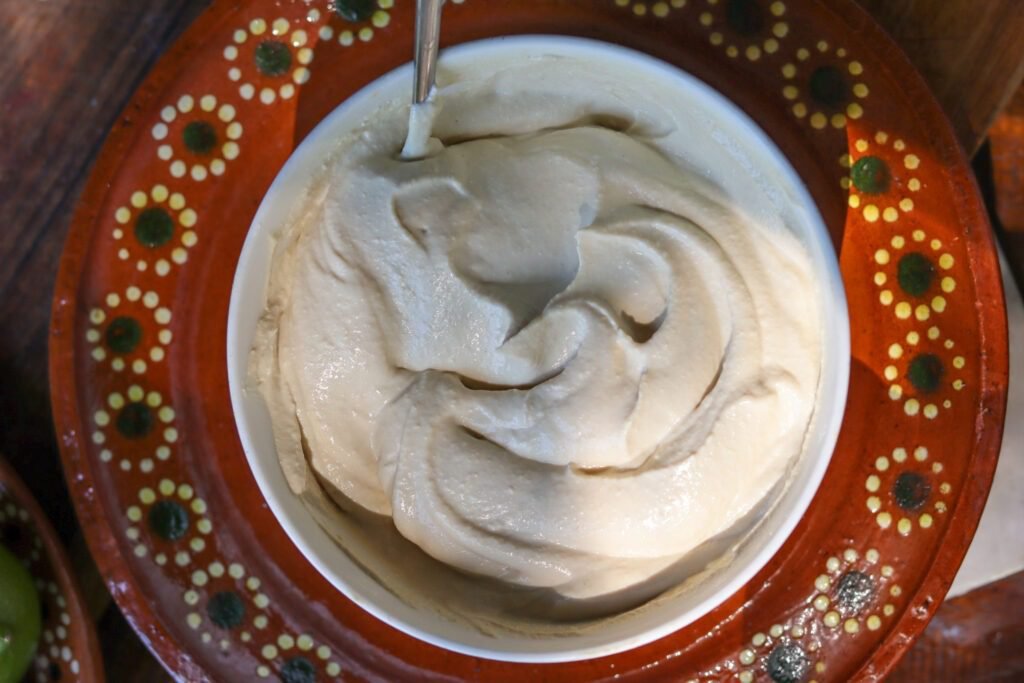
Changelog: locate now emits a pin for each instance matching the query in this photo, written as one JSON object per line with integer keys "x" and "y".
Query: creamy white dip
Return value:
{"x": 551, "y": 354}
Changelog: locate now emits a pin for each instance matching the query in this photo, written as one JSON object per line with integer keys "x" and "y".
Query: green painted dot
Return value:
{"x": 925, "y": 372}
{"x": 135, "y": 420}
{"x": 154, "y": 226}
{"x": 915, "y": 273}
{"x": 854, "y": 592}
{"x": 788, "y": 664}
{"x": 828, "y": 87}
{"x": 746, "y": 17}
{"x": 911, "y": 491}
{"x": 870, "y": 175}
{"x": 273, "y": 58}
{"x": 298, "y": 670}
{"x": 226, "y": 609}
{"x": 123, "y": 334}
{"x": 168, "y": 520}
{"x": 200, "y": 137}
{"x": 355, "y": 10}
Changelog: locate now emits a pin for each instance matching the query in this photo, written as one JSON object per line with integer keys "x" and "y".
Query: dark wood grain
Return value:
{"x": 68, "y": 67}
{"x": 970, "y": 52}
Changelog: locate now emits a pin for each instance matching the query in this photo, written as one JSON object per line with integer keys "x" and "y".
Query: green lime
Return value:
{"x": 20, "y": 620}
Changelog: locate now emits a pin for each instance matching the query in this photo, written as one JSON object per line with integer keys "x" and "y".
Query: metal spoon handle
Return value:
{"x": 428, "y": 36}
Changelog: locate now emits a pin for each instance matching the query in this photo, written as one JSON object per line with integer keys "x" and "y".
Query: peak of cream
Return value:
{"x": 553, "y": 352}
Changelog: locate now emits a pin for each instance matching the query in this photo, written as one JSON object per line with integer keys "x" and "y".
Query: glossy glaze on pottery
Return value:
{"x": 139, "y": 380}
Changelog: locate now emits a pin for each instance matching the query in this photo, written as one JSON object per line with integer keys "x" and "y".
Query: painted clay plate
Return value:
{"x": 68, "y": 650}
{"x": 173, "y": 516}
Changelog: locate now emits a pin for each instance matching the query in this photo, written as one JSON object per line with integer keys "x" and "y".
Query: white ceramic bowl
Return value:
{"x": 719, "y": 128}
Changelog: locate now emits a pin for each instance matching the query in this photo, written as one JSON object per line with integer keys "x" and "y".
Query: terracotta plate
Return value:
{"x": 174, "y": 517}
{"x": 68, "y": 650}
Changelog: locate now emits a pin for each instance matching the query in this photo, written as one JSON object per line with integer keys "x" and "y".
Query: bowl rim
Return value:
{"x": 835, "y": 322}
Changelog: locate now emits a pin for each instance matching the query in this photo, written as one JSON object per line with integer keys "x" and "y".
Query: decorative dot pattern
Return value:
{"x": 881, "y": 184}
{"x": 130, "y": 330}
{"x": 749, "y": 30}
{"x": 823, "y": 86}
{"x": 270, "y": 60}
{"x": 197, "y": 138}
{"x": 907, "y": 490}
{"x": 853, "y": 590}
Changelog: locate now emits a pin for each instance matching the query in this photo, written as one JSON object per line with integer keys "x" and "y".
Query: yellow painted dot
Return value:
{"x": 884, "y": 519}
{"x": 948, "y": 284}
{"x": 706, "y": 19}
{"x": 899, "y": 145}
{"x": 874, "y": 623}
{"x": 821, "y": 603}
{"x": 945, "y": 261}
{"x": 882, "y": 463}
{"x": 940, "y": 506}
{"x": 931, "y": 411}
{"x": 895, "y": 351}
{"x": 166, "y": 487}
{"x": 789, "y": 70}
{"x": 746, "y": 657}
{"x": 958, "y": 384}
{"x": 269, "y": 651}
{"x": 323, "y": 652}
{"x": 285, "y": 641}
{"x": 899, "y": 454}
{"x": 771, "y": 46}
{"x": 854, "y": 110}
{"x": 800, "y": 110}
{"x": 861, "y": 145}
{"x": 861, "y": 90}
{"x": 888, "y": 610}
{"x": 885, "y": 297}
{"x": 887, "y": 571}
{"x": 911, "y": 161}
{"x": 193, "y": 620}
{"x": 874, "y": 503}
{"x": 890, "y": 215}
{"x": 939, "y": 304}
{"x": 831, "y": 619}
{"x": 958, "y": 362}
{"x": 914, "y": 184}
{"x": 912, "y": 406}
{"x": 890, "y": 372}
{"x": 333, "y": 669}
{"x": 304, "y": 642}
{"x": 731, "y": 51}
{"x": 851, "y": 626}
{"x": 778, "y": 8}
{"x": 922, "y": 312}
{"x": 925, "y": 520}
{"x": 913, "y": 338}
{"x": 822, "y": 583}
{"x": 880, "y": 278}
{"x": 895, "y": 591}
{"x": 895, "y": 392}
{"x": 871, "y": 213}
{"x": 716, "y": 38}
{"x": 856, "y": 68}
{"x": 854, "y": 199}
{"x": 790, "y": 92}
{"x": 753, "y": 53}
{"x": 838, "y": 120}
{"x": 871, "y": 555}
{"x": 881, "y": 257}
{"x": 904, "y": 526}
{"x": 660, "y": 10}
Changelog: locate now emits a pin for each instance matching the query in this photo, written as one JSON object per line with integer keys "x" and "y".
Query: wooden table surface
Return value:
{"x": 68, "y": 66}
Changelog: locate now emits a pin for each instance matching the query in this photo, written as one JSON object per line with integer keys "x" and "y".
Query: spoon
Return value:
{"x": 428, "y": 32}
{"x": 421, "y": 115}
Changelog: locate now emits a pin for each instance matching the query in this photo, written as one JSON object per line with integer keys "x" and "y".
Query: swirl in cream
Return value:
{"x": 551, "y": 352}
